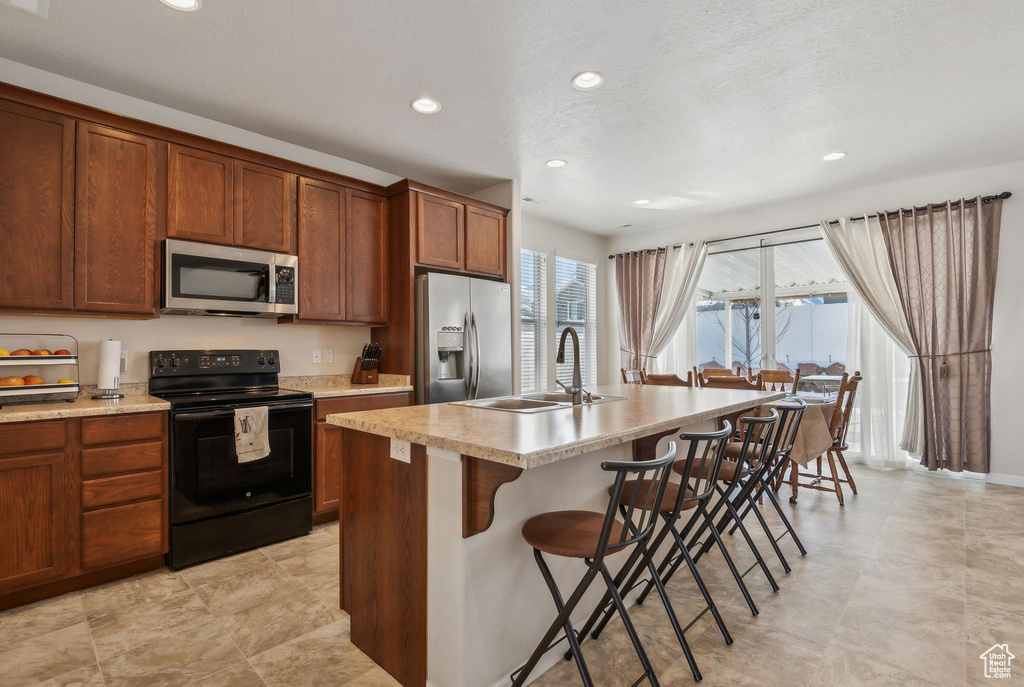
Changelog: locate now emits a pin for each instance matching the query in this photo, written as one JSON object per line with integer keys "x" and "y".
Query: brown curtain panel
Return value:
{"x": 639, "y": 277}
{"x": 944, "y": 261}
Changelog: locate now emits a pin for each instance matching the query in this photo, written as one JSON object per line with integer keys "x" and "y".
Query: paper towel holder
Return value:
{"x": 111, "y": 393}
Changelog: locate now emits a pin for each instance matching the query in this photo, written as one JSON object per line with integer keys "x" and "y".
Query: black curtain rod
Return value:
{"x": 935, "y": 206}
{"x": 893, "y": 213}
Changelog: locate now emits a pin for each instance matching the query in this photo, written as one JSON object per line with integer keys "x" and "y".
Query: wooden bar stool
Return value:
{"x": 591, "y": 536}
{"x": 733, "y": 492}
{"x": 699, "y": 471}
{"x": 764, "y": 475}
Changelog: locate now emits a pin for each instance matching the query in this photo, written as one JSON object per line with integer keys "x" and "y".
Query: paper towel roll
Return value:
{"x": 109, "y": 369}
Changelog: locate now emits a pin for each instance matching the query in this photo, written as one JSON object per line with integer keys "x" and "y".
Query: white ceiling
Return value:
{"x": 728, "y": 103}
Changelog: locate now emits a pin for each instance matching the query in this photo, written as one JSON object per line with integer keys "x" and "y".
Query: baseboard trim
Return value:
{"x": 1005, "y": 480}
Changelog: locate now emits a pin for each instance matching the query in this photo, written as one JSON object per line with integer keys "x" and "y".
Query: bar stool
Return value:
{"x": 731, "y": 491}
{"x": 765, "y": 475}
{"x": 701, "y": 466}
{"x": 591, "y": 536}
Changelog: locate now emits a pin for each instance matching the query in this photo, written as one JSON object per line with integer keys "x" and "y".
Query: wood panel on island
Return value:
{"x": 82, "y": 501}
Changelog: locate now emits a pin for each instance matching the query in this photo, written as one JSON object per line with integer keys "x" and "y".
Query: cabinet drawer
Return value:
{"x": 122, "y": 489}
{"x": 111, "y": 460}
{"x": 28, "y": 437}
{"x": 353, "y": 404}
{"x": 123, "y": 533}
{"x": 122, "y": 428}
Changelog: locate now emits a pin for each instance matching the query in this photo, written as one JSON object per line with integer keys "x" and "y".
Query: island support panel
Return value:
{"x": 384, "y": 554}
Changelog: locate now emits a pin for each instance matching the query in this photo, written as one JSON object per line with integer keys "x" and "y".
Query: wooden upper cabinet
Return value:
{"x": 264, "y": 208}
{"x": 321, "y": 239}
{"x": 33, "y": 520}
{"x": 485, "y": 241}
{"x": 366, "y": 251}
{"x": 200, "y": 195}
{"x": 117, "y": 210}
{"x": 37, "y": 199}
{"x": 440, "y": 227}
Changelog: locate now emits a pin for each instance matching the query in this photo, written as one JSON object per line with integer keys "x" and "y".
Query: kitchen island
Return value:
{"x": 440, "y": 586}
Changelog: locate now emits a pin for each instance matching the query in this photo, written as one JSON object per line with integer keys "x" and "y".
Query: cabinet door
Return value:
{"x": 37, "y": 186}
{"x": 33, "y": 522}
{"x": 366, "y": 231}
{"x": 328, "y": 467}
{"x": 321, "y": 239}
{"x": 485, "y": 241}
{"x": 264, "y": 208}
{"x": 439, "y": 231}
{"x": 116, "y": 215}
{"x": 200, "y": 193}
{"x": 123, "y": 533}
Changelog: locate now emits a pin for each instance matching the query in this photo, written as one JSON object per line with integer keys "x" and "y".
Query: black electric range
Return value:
{"x": 219, "y": 506}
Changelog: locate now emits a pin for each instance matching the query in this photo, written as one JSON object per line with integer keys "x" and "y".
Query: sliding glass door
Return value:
{"x": 772, "y": 302}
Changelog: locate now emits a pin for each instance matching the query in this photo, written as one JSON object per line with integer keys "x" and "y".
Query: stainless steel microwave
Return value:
{"x": 200, "y": 279}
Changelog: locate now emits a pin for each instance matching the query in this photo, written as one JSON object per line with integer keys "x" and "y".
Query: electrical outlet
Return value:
{"x": 124, "y": 361}
{"x": 316, "y": 356}
{"x": 328, "y": 355}
{"x": 400, "y": 450}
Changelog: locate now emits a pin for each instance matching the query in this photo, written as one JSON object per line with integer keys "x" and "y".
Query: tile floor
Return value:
{"x": 907, "y": 585}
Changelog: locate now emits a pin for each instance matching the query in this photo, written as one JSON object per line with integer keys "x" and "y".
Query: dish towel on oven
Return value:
{"x": 251, "y": 440}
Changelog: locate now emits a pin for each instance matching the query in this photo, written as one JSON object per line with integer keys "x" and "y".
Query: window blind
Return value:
{"x": 533, "y": 313}
{"x": 576, "y": 306}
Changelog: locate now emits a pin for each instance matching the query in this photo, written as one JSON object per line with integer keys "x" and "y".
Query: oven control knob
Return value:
{"x": 160, "y": 362}
{"x": 261, "y": 360}
{"x": 175, "y": 362}
{"x": 272, "y": 360}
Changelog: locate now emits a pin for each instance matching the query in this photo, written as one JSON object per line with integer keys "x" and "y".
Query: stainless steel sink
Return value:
{"x": 533, "y": 403}
{"x": 562, "y": 397}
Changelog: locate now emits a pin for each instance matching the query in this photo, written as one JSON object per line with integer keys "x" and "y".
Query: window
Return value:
{"x": 806, "y": 329}
{"x": 533, "y": 301}
{"x": 576, "y": 307}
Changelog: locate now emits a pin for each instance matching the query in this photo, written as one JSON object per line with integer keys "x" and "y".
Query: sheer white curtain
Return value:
{"x": 877, "y": 422}
{"x": 675, "y": 311}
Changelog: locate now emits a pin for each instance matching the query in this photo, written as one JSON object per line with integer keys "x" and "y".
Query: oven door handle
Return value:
{"x": 212, "y": 414}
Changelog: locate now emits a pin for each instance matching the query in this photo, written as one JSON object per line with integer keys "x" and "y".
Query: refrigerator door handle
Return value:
{"x": 469, "y": 357}
{"x": 476, "y": 357}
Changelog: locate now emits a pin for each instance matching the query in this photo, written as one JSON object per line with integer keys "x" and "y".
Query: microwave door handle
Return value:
{"x": 271, "y": 284}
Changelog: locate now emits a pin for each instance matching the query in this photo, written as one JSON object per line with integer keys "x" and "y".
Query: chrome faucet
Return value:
{"x": 576, "y": 390}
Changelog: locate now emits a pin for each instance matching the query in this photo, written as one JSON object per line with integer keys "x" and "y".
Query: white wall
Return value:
{"x": 174, "y": 331}
{"x": 545, "y": 236}
{"x": 1007, "y": 461}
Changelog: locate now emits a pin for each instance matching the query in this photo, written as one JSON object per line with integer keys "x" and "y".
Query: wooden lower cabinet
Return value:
{"x": 80, "y": 499}
{"x": 328, "y": 452}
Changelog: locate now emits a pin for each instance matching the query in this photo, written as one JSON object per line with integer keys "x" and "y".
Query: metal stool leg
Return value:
{"x": 630, "y": 630}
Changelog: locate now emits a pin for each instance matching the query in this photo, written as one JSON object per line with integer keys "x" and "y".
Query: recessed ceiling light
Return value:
{"x": 642, "y": 201}
{"x": 426, "y": 105}
{"x": 587, "y": 81}
{"x": 834, "y": 156}
{"x": 184, "y": 5}
{"x": 556, "y": 163}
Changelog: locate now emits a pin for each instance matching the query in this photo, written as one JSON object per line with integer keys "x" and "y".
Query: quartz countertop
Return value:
{"x": 529, "y": 440}
{"x": 331, "y": 386}
{"x": 82, "y": 406}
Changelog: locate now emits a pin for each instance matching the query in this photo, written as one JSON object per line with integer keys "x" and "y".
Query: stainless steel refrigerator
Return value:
{"x": 463, "y": 338}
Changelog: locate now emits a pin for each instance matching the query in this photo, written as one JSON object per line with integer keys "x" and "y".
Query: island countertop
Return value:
{"x": 529, "y": 440}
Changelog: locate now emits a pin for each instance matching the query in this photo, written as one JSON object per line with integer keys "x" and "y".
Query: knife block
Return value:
{"x": 361, "y": 376}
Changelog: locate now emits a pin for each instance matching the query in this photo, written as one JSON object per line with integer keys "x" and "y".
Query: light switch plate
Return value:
{"x": 401, "y": 450}
{"x": 316, "y": 356}
{"x": 328, "y": 355}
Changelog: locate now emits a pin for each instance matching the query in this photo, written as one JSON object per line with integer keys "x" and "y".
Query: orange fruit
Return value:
{"x": 62, "y": 351}
{"x": 41, "y": 351}
{"x": 4, "y": 352}
{"x": 12, "y": 381}
{"x": 66, "y": 381}
{"x": 22, "y": 351}
{"x": 33, "y": 380}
